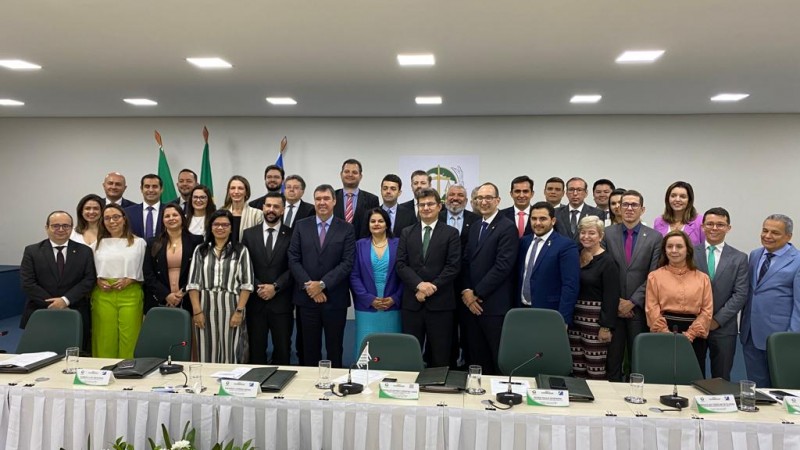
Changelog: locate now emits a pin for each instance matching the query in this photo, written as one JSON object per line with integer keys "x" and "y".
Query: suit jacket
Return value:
{"x": 124, "y": 203}
{"x": 40, "y": 280}
{"x": 302, "y": 210}
{"x": 268, "y": 270}
{"x": 365, "y": 202}
{"x": 633, "y": 276}
{"x": 511, "y": 214}
{"x": 258, "y": 203}
{"x": 469, "y": 219}
{"x": 488, "y": 267}
{"x": 440, "y": 266}
{"x": 563, "y": 217}
{"x": 412, "y": 204}
{"x": 404, "y": 217}
{"x": 250, "y": 218}
{"x": 331, "y": 263}
{"x": 773, "y": 304}
{"x": 362, "y": 278}
{"x": 555, "y": 280}
{"x": 729, "y": 287}
{"x": 136, "y": 215}
{"x": 693, "y": 229}
{"x": 186, "y": 205}
{"x": 156, "y": 272}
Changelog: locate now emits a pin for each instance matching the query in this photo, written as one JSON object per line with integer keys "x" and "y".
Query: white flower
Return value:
{"x": 180, "y": 444}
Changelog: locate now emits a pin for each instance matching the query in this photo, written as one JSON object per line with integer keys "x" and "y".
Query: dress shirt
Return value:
{"x": 109, "y": 201}
{"x": 717, "y": 254}
{"x": 516, "y": 217}
{"x": 392, "y": 211}
{"x": 156, "y": 208}
{"x": 63, "y": 252}
{"x": 761, "y": 260}
{"x": 422, "y": 226}
{"x": 636, "y": 231}
{"x": 295, "y": 208}
{"x": 489, "y": 220}
{"x": 544, "y": 239}
{"x": 113, "y": 258}
{"x": 687, "y": 293}
{"x": 355, "y": 192}
{"x": 198, "y": 225}
{"x": 459, "y": 224}
{"x": 327, "y": 224}
{"x": 275, "y": 229}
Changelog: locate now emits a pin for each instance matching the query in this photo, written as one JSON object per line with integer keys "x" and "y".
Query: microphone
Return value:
{"x": 350, "y": 387}
{"x": 674, "y": 400}
{"x": 169, "y": 368}
{"x": 512, "y": 398}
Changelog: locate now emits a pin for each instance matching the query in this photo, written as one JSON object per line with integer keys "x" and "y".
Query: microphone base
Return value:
{"x": 350, "y": 388}
{"x": 509, "y": 398}
{"x": 675, "y": 401}
{"x": 169, "y": 369}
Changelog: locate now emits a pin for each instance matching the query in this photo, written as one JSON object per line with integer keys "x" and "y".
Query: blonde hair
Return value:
{"x": 592, "y": 221}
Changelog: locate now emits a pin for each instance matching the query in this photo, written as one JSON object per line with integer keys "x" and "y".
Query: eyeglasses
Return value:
{"x": 199, "y": 199}
{"x": 60, "y": 226}
{"x": 718, "y": 226}
{"x": 486, "y": 198}
{"x": 575, "y": 190}
{"x": 220, "y": 225}
{"x": 113, "y": 218}
{"x": 427, "y": 204}
{"x": 629, "y": 205}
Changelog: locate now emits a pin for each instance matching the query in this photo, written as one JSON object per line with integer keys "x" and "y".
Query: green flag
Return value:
{"x": 205, "y": 166}
{"x": 168, "y": 194}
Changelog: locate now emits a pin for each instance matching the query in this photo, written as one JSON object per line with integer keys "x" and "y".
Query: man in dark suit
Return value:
{"x": 488, "y": 281}
{"x": 568, "y": 216}
{"x": 549, "y": 268}
{"x": 273, "y": 180}
{"x": 419, "y": 180}
{"x": 187, "y": 180}
{"x": 400, "y": 217}
{"x": 353, "y": 203}
{"x": 635, "y": 248}
{"x": 321, "y": 257}
{"x": 58, "y": 273}
{"x": 727, "y": 269}
{"x": 270, "y": 308}
{"x": 519, "y": 213}
{"x": 114, "y": 186}
{"x": 296, "y": 208}
{"x": 145, "y": 219}
{"x": 428, "y": 264}
{"x": 773, "y": 302}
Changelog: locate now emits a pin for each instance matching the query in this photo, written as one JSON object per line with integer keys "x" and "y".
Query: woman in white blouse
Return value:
{"x": 117, "y": 300}
{"x": 244, "y": 215}
{"x": 202, "y": 206}
{"x": 88, "y": 214}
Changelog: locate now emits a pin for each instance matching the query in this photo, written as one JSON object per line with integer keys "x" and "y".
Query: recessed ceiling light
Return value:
{"x": 729, "y": 97}
{"x": 9, "y": 102}
{"x": 281, "y": 100}
{"x": 140, "y": 101}
{"x": 210, "y": 63}
{"x": 419, "y": 59}
{"x": 18, "y": 64}
{"x": 593, "y": 98}
{"x": 639, "y": 56}
{"x": 428, "y": 100}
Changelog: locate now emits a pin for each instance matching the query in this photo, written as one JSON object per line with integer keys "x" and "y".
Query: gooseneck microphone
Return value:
{"x": 169, "y": 368}
{"x": 674, "y": 400}
{"x": 512, "y": 398}
{"x": 350, "y": 388}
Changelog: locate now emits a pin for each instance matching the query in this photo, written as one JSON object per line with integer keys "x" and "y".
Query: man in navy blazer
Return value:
{"x": 114, "y": 185}
{"x": 549, "y": 268}
{"x": 152, "y": 187}
{"x": 428, "y": 263}
{"x": 351, "y": 195}
{"x": 519, "y": 213}
{"x": 571, "y": 214}
{"x": 727, "y": 269}
{"x": 321, "y": 257}
{"x": 773, "y": 303}
{"x": 488, "y": 281}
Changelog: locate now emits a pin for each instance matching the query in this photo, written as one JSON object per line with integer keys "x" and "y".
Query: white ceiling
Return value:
{"x": 338, "y": 58}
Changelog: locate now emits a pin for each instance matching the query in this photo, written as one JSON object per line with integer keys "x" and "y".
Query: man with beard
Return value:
{"x": 419, "y": 180}
{"x": 187, "y": 180}
{"x": 353, "y": 203}
{"x": 273, "y": 180}
{"x": 270, "y": 308}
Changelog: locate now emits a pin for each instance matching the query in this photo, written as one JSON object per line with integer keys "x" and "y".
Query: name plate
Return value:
{"x": 93, "y": 377}
{"x": 792, "y": 404}
{"x": 399, "y": 391}
{"x": 715, "y": 404}
{"x": 548, "y": 397}
{"x": 236, "y": 388}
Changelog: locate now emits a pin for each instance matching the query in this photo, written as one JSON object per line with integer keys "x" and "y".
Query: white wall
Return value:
{"x": 745, "y": 163}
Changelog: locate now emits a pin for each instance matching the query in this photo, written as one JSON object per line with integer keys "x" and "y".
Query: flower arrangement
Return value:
{"x": 186, "y": 442}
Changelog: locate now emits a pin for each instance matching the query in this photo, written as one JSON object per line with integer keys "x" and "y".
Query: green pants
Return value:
{"x": 116, "y": 321}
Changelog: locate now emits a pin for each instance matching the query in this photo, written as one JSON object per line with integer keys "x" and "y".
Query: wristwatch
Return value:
{"x": 276, "y": 286}
{"x": 322, "y": 284}
{"x": 240, "y": 310}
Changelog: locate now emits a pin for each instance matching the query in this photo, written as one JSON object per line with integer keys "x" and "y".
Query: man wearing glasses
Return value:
{"x": 568, "y": 216}
{"x": 635, "y": 248}
{"x": 58, "y": 273}
{"x": 428, "y": 262}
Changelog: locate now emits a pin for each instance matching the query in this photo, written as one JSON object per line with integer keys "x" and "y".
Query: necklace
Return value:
{"x": 385, "y": 243}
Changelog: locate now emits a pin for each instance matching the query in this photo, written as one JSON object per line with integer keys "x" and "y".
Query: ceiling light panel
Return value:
{"x": 585, "y": 98}
{"x": 10, "y": 102}
{"x": 428, "y": 100}
{"x": 416, "y": 59}
{"x": 281, "y": 101}
{"x": 210, "y": 63}
{"x": 639, "y": 56}
{"x": 729, "y": 97}
{"x": 140, "y": 101}
{"x": 18, "y": 64}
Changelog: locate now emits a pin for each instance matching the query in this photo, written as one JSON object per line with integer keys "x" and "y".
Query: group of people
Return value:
{"x": 427, "y": 267}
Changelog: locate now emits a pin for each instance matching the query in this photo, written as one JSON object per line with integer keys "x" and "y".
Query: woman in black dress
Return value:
{"x": 598, "y": 299}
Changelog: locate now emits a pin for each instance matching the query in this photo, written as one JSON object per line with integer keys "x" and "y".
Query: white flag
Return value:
{"x": 365, "y": 357}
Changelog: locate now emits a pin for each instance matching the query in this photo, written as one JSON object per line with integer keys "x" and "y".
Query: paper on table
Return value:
{"x": 234, "y": 374}
{"x": 26, "y": 359}
{"x": 360, "y": 376}
{"x": 501, "y": 385}
{"x": 766, "y": 391}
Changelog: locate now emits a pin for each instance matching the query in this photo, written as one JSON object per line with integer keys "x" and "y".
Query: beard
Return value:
{"x": 455, "y": 209}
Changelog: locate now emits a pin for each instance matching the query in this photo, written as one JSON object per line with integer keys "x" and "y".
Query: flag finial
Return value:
{"x": 205, "y": 134}
{"x": 158, "y": 138}
{"x": 284, "y": 143}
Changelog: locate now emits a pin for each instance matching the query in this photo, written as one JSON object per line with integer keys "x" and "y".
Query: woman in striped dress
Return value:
{"x": 220, "y": 282}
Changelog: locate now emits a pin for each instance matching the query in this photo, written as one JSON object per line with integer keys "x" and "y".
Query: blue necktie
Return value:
{"x": 482, "y": 234}
{"x": 764, "y": 267}
{"x": 148, "y": 224}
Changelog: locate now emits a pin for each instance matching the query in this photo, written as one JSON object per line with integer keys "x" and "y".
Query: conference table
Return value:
{"x": 45, "y": 410}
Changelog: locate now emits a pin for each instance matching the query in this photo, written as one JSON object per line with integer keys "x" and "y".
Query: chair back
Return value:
{"x": 394, "y": 351}
{"x": 162, "y": 328}
{"x": 527, "y": 331}
{"x": 653, "y": 357}
{"x": 52, "y": 330}
{"x": 784, "y": 365}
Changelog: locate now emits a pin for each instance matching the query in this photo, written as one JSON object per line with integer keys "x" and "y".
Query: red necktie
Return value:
{"x": 521, "y": 223}
{"x": 348, "y": 209}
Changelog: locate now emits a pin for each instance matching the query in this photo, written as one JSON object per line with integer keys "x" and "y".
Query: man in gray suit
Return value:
{"x": 727, "y": 268}
{"x": 635, "y": 248}
{"x": 568, "y": 216}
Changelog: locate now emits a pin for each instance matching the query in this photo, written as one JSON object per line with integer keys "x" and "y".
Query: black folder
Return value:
{"x": 8, "y": 368}
{"x": 135, "y": 368}
{"x": 577, "y": 387}
{"x": 442, "y": 380}
{"x": 278, "y": 380}
{"x": 258, "y": 374}
{"x": 721, "y": 386}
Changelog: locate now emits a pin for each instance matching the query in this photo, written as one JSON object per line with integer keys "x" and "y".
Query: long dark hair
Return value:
{"x": 210, "y": 206}
{"x": 611, "y": 216}
{"x": 82, "y": 223}
{"x": 689, "y": 213}
{"x": 103, "y": 232}
{"x": 162, "y": 239}
{"x": 663, "y": 260}
{"x": 231, "y": 249}
{"x": 382, "y": 212}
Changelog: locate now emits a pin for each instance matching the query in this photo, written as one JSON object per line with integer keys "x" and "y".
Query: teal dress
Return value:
{"x": 368, "y": 322}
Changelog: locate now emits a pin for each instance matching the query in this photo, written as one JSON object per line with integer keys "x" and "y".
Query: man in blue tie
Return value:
{"x": 145, "y": 218}
{"x": 399, "y": 215}
{"x": 773, "y": 303}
